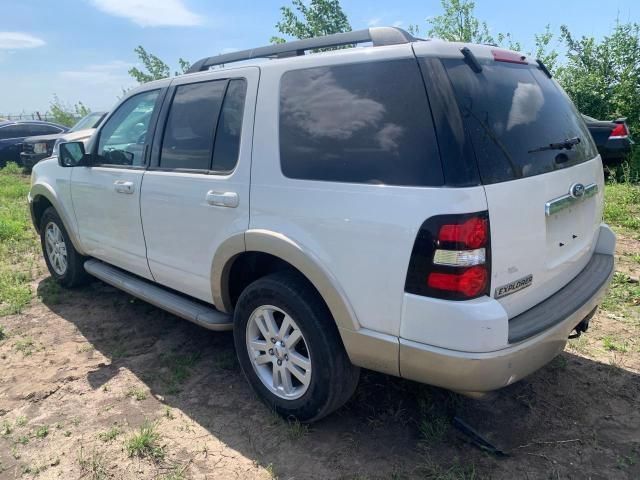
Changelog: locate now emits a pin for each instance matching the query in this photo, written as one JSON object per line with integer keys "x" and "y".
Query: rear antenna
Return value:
{"x": 471, "y": 59}
{"x": 544, "y": 68}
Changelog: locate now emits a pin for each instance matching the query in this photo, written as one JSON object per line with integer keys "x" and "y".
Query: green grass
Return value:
{"x": 179, "y": 368}
{"x": 297, "y": 430}
{"x": 622, "y": 208}
{"x": 614, "y": 346}
{"x": 111, "y": 434}
{"x": 19, "y": 244}
{"x": 137, "y": 393}
{"x": 623, "y": 293}
{"x": 42, "y": 432}
{"x": 92, "y": 466}
{"x": 433, "y": 422}
{"x": 145, "y": 443}
{"x": 25, "y": 345}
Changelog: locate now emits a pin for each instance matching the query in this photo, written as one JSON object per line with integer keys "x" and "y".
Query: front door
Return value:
{"x": 196, "y": 191}
{"x": 106, "y": 195}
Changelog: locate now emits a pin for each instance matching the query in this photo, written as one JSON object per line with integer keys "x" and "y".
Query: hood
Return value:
{"x": 76, "y": 136}
{"x": 43, "y": 138}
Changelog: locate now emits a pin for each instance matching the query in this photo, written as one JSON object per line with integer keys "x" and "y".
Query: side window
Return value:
{"x": 14, "y": 131}
{"x": 123, "y": 137}
{"x": 227, "y": 145}
{"x": 35, "y": 129}
{"x": 359, "y": 123}
{"x": 191, "y": 125}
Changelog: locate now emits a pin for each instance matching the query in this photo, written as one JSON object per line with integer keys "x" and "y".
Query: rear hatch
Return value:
{"x": 541, "y": 173}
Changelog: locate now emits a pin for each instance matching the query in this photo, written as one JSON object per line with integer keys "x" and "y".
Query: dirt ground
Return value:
{"x": 82, "y": 371}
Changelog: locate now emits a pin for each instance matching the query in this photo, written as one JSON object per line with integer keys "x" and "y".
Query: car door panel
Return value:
{"x": 187, "y": 214}
{"x": 106, "y": 195}
{"x": 109, "y": 219}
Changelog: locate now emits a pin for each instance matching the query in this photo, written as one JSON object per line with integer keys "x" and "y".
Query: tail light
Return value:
{"x": 451, "y": 257}
{"x": 619, "y": 131}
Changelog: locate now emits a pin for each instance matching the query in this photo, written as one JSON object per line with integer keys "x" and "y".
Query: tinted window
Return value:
{"x": 123, "y": 136}
{"x": 191, "y": 125}
{"x": 35, "y": 129}
{"x": 511, "y": 110}
{"x": 14, "y": 131}
{"x": 227, "y": 147}
{"x": 363, "y": 123}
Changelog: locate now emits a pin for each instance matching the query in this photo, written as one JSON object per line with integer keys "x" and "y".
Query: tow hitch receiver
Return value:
{"x": 583, "y": 326}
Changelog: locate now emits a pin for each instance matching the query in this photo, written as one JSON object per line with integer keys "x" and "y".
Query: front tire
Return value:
{"x": 65, "y": 264}
{"x": 289, "y": 348}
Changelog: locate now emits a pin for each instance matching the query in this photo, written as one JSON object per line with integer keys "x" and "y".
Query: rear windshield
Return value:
{"x": 511, "y": 111}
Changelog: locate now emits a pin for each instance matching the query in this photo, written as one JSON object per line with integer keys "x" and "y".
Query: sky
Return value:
{"x": 81, "y": 50}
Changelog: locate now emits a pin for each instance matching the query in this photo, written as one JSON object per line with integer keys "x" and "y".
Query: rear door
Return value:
{"x": 196, "y": 193}
{"x": 544, "y": 200}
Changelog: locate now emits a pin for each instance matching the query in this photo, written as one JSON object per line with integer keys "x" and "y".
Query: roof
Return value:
{"x": 377, "y": 36}
{"x": 30, "y": 122}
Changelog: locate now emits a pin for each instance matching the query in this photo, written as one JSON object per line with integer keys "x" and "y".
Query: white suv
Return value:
{"x": 425, "y": 209}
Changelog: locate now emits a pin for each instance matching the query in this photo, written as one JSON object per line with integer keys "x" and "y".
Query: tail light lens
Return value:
{"x": 619, "y": 131}
{"x": 472, "y": 233}
{"x": 470, "y": 282}
{"x": 451, "y": 257}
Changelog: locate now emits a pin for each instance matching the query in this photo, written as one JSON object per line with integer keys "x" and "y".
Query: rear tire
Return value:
{"x": 284, "y": 331}
{"x": 65, "y": 264}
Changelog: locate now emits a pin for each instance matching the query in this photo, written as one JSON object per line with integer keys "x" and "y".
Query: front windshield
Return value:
{"x": 88, "y": 121}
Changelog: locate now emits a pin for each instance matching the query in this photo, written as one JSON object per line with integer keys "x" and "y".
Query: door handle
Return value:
{"x": 123, "y": 186}
{"x": 222, "y": 199}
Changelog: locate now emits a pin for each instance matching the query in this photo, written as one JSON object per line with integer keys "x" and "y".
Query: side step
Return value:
{"x": 182, "y": 306}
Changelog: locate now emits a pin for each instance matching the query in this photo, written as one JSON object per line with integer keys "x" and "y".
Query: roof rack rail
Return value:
{"x": 379, "y": 36}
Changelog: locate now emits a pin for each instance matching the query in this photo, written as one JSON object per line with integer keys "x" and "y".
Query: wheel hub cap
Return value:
{"x": 56, "y": 248}
{"x": 278, "y": 352}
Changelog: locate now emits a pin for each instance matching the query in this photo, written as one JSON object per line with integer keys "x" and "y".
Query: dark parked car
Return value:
{"x": 36, "y": 148}
{"x": 13, "y": 133}
{"x": 612, "y": 139}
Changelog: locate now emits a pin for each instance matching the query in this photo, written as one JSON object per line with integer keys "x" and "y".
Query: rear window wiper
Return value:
{"x": 564, "y": 145}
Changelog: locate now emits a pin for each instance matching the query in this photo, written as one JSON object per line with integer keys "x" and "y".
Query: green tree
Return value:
{"x": 319, "y": 17}
{"x": 67, "y": 115}
{"x": 458, "y": 23}
{"x": 603, "y": 77}
{"x": 154, "y": 67}
{"x": 544, "y": 52}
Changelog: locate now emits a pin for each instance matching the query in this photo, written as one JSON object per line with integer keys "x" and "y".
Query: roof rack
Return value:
{"x": 379, "y": 36}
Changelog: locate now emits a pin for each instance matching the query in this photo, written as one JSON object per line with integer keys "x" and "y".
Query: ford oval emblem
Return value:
{"x": 576, "y": 190}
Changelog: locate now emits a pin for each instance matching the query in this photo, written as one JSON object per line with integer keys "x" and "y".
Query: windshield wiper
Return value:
{"x": 564, "y": 145}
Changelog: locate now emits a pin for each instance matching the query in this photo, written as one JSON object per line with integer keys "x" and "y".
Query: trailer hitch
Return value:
{"x": 583, "y": 326}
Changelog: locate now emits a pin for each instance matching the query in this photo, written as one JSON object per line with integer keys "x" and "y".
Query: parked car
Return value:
{"x": 36, "y": 148}
{"x": 612, "y": 139}
{"x": 13, "y": 133}
{"x": 425, "y": 209}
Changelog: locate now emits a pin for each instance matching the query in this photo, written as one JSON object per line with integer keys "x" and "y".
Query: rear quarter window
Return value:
{"x": 358, "y": 123}
{"x": 512, "y": 110}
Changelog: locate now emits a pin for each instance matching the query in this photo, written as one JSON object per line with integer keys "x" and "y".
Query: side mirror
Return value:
{"x": 71, "y": 154}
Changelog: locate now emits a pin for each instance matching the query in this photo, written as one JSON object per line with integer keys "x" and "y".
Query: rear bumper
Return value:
{"x": 615, "y": 150}
{"x": 486, "y": 371}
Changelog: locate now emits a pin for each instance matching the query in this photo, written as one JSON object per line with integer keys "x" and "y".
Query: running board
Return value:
{"x": 182, "y": 306}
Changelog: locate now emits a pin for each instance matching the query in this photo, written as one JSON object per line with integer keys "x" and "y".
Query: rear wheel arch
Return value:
{"x": 268, "y": 252}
